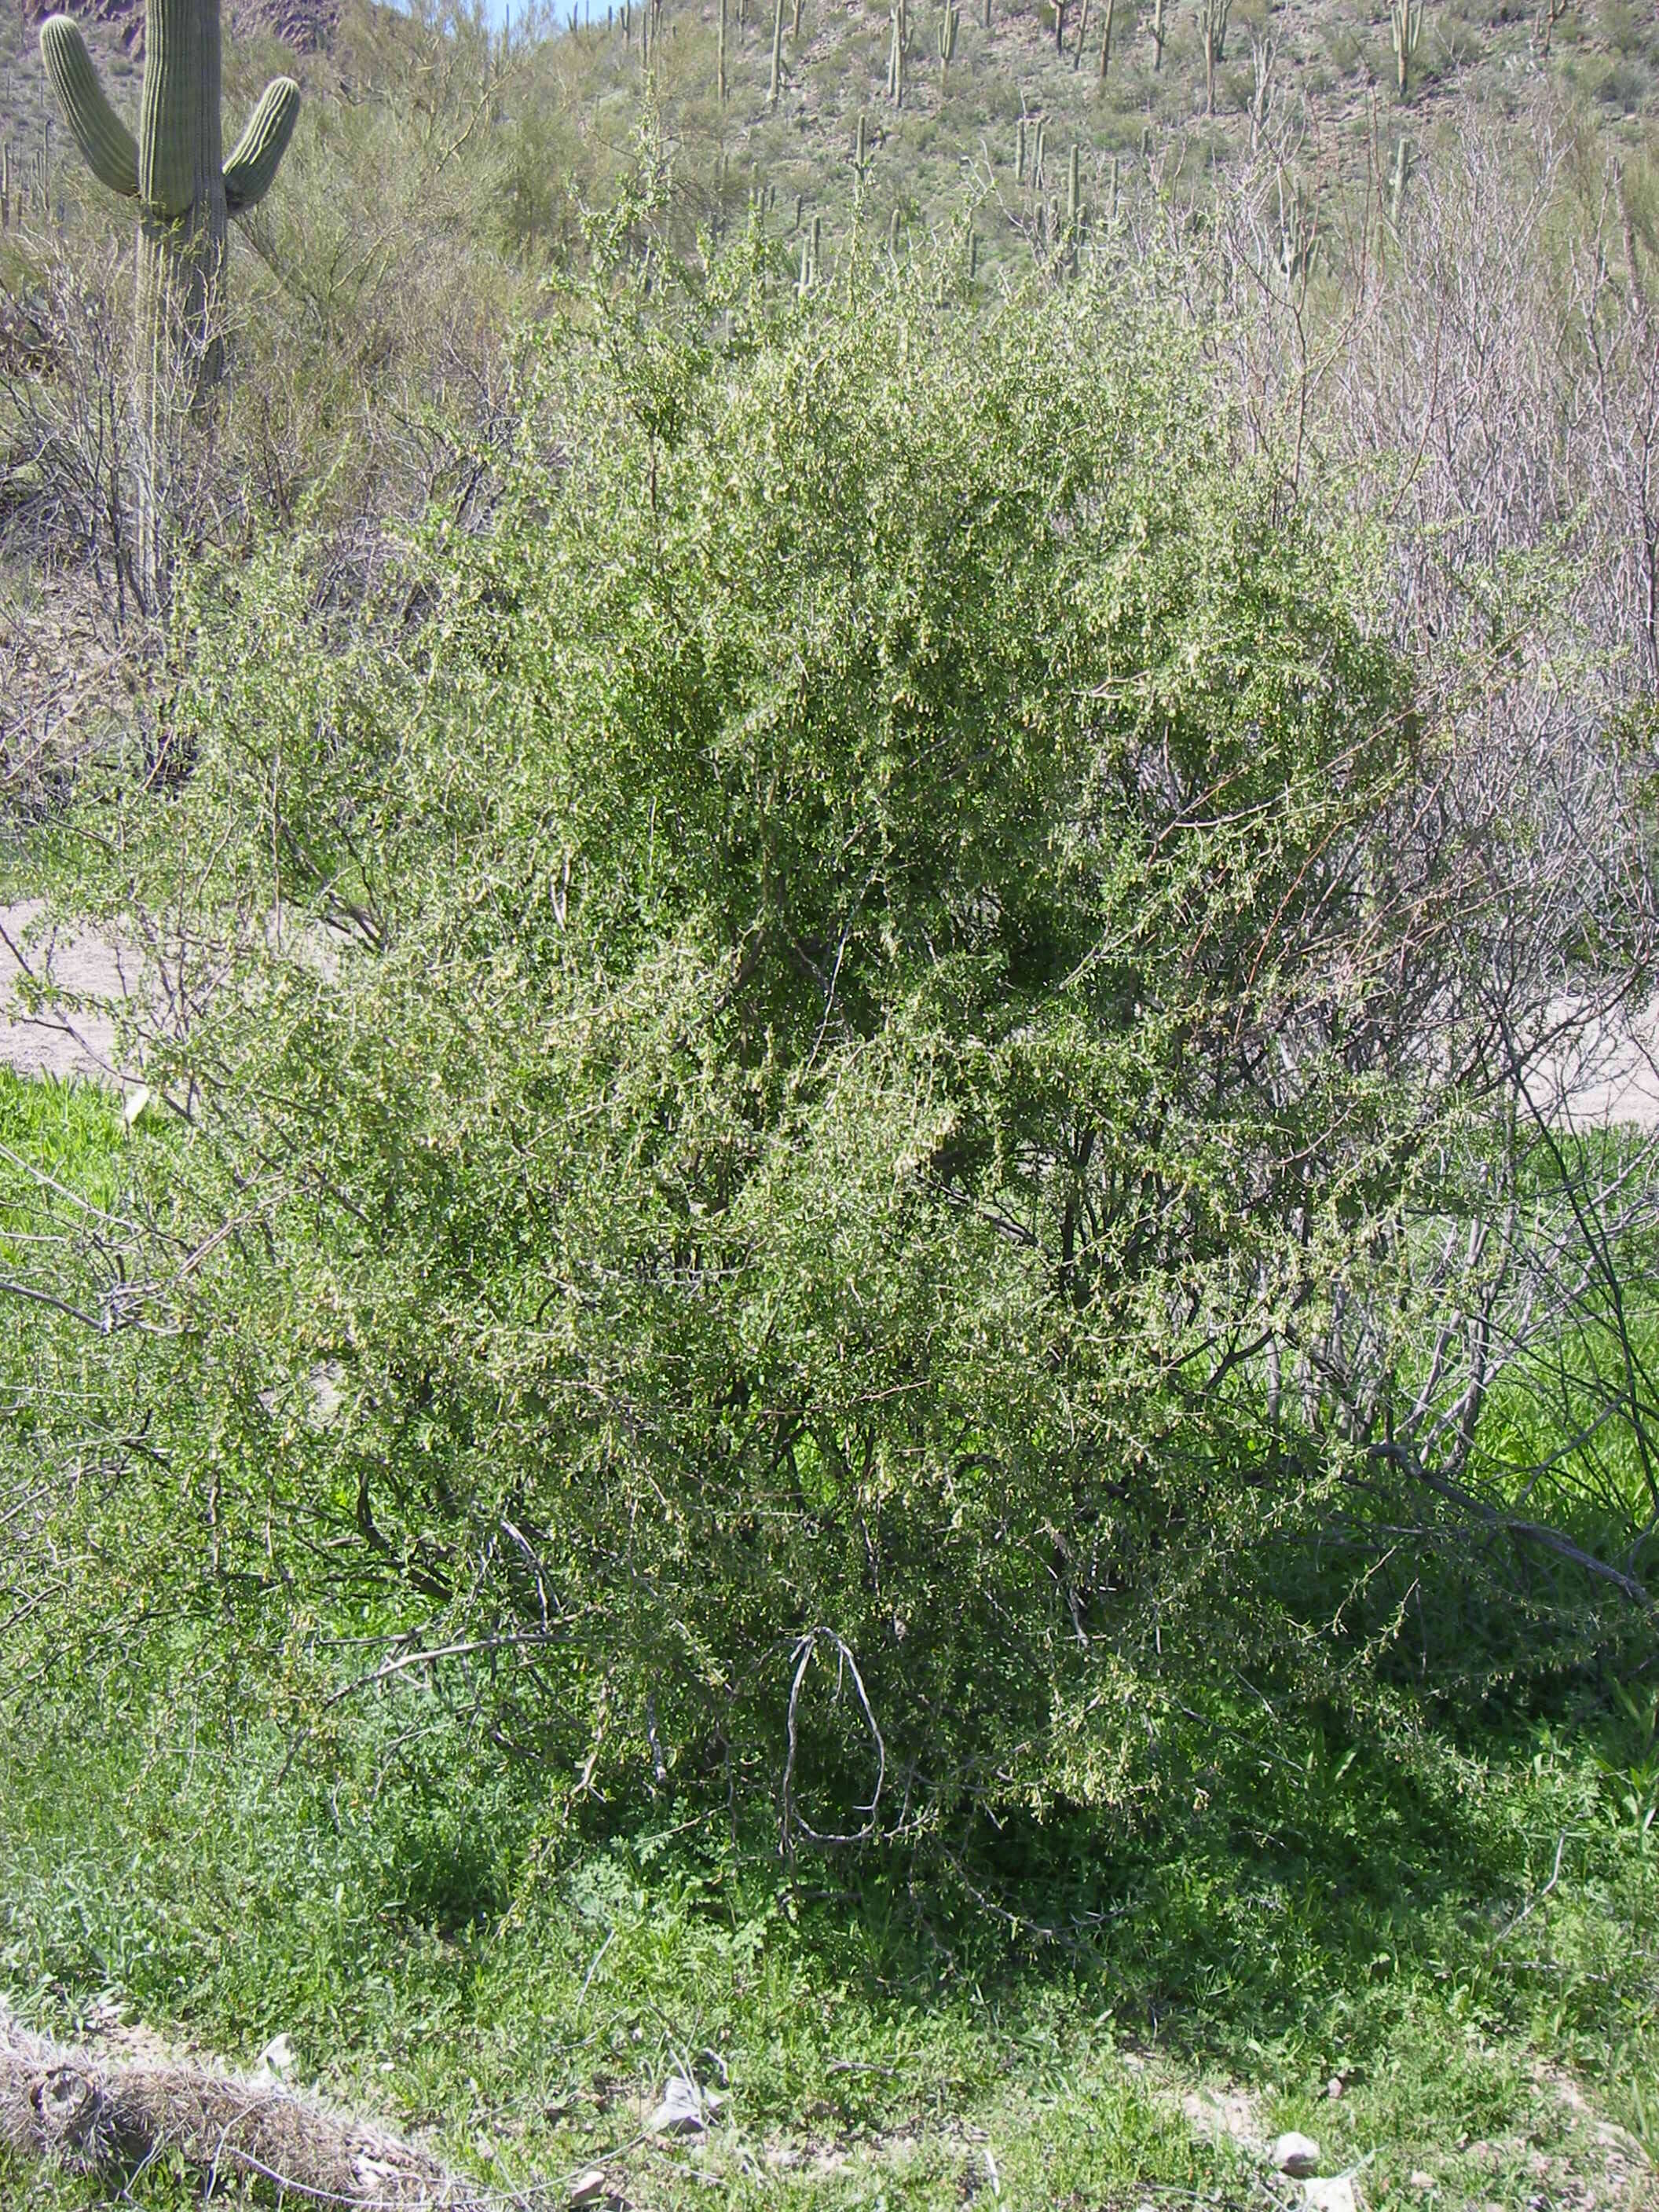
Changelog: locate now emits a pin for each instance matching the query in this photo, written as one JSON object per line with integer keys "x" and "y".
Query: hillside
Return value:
{"x": 1309, "y": 85}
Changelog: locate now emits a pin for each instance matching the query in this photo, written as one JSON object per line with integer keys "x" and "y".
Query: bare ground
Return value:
{"x": 71, "y": 1031}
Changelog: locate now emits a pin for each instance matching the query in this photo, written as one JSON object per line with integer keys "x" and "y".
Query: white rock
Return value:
{"x": 1336, "y": 2195}
{"x": 1297, "y": 2155}
{"x": 275, "y": 2062}
{"x": 680, "y": 2113}
{"x": 588, "y": 2187}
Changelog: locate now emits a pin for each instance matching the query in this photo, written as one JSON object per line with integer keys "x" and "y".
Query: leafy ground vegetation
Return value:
{"x": 857, "y": 1337}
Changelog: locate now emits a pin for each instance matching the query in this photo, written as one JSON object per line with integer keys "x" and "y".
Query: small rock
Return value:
{"x": 680, "y": 2113}
{"x": 588, "y": 2187}
{"x": 1333, "y": 2086}
{"x": 1297, "y": 2155}
{"x": 1418, "y": 2179}
{"x": 275, "y": 2062}
{"x": 1336, "y": 2194}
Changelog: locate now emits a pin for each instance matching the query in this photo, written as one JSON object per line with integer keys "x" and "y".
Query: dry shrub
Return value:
{"x": 91, "y": 2117}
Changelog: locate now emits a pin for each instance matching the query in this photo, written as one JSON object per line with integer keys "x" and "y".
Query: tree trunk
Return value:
{"x": 179, "y": 342}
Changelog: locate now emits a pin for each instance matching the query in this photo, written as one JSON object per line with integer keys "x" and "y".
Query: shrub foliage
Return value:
{"x": 815, "y": 1031}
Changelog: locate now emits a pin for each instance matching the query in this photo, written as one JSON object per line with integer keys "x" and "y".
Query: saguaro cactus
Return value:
{"x": 1298, "y": 235}
{"x": 1106, "y": 39}
{"x": 175, "y": 167}
{"x": 1406, "y": 21}
{"x": 811, "y": 251}
{"x": 897, "y": 47}
{"x": 946, "y": 37}
{"x": 186, "y": 190}
{"x": 863, "y": 160}
{"x": 776, "y": 81}
{"x": 1213, "y": 36}
{"x": 1402, "y": 170}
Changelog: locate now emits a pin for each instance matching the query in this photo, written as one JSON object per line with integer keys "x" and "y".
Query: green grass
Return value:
{"x": 68, "y": 1132}
{"x": 444, "y": 1945}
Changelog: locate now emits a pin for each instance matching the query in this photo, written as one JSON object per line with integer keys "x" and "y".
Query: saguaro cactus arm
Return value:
{"x": 259, "y": 152}
{"x": 110, "y": 148}
{"x": 161, "y": 166}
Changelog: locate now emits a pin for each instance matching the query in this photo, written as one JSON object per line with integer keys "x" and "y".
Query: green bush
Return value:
{"x": 869, "y": 976}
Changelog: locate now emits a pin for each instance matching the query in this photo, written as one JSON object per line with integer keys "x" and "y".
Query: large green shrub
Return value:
{"x": 880, "y": 981}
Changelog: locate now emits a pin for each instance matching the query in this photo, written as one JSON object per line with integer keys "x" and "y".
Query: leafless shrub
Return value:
{"x": 95, "y": 2117}
{"x": 1469, "y": 369}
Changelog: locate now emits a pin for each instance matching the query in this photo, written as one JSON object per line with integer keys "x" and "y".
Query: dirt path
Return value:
{"x": 66, "y": 1040}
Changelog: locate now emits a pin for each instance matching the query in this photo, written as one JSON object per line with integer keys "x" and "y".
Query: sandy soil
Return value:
{"x": 73, "y": 1039}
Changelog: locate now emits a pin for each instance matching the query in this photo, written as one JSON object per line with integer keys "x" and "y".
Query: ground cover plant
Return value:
{"x": 439, "y": 1948}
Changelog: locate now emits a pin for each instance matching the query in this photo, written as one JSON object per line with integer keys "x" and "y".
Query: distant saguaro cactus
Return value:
{"x": 1213, "y": 36}
{"x": 810, "y": 252}
{"x": 945, "y": 36}
{"x": 1106, "y": 39}
{"x": 863, "y": 160}
{"x": 1406, "y": 22}
{"x": 1298, "y": 235}
{"x": 1402, "y": 170}
{"x": 776, "y": 79}
{"x": 186, "y": 192}
{"x": 897, "y": 47}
